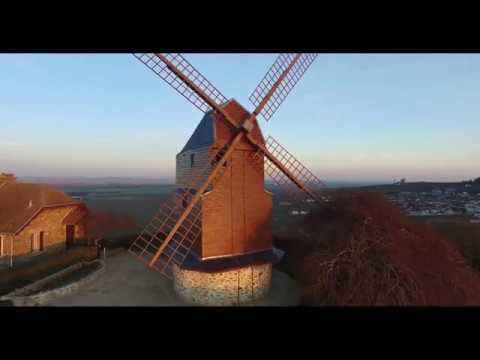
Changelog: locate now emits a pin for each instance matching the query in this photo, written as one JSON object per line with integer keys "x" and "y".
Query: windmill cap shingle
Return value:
{"x": 204, "y": 133}
{"x": 19, "y": 202}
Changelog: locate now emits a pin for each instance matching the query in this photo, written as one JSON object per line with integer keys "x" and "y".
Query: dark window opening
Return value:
{"x": 192, "y": 160}
{"x": 70, "y": 235}
{"x": 42, "y": 240}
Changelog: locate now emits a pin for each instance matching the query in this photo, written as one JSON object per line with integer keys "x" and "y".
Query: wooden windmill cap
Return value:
{"x": 212, "y": 131}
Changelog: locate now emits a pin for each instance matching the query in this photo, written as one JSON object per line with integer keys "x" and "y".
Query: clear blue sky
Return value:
{"x": 373, "y": 117}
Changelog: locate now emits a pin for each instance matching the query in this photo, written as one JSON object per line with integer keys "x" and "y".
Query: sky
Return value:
{"x": 352, "y": 117}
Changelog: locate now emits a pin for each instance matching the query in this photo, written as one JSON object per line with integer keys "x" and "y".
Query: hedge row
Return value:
{"x": 27, "y": 273}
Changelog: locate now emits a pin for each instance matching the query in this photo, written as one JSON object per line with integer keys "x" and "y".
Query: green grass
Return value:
{"x": 27, "y": 273}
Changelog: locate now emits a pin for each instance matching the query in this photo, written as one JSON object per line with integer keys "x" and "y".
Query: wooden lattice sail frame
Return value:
{"x": 170, "y": 236}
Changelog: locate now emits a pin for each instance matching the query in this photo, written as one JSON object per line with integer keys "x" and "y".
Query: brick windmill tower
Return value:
{"x": 213, "y": 235}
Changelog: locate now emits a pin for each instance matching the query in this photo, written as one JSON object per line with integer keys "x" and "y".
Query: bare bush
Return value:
{"x": 361, "y": 249}
{"x": 100, "y": 224}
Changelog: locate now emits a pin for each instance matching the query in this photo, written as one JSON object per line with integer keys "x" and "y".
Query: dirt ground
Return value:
{"x": 128, "y": 282}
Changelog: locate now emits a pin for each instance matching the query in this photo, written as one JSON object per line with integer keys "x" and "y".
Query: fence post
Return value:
{"x": 11, "y": 252}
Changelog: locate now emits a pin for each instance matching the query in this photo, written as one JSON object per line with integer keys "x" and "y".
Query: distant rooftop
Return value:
{"x": 19, "y": 202}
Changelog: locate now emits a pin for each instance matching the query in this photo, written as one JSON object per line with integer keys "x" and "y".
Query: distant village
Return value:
{"x": 461, "y": 200}
{"x": 439, "y": 201}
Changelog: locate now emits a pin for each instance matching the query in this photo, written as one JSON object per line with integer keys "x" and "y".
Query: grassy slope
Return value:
{"x": 27, "y": 273}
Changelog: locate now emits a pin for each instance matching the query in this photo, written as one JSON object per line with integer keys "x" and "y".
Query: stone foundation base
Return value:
{"x": 230, "y": 287}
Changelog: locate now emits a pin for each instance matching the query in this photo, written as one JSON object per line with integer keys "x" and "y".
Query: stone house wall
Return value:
{"x": 48, "y": 220}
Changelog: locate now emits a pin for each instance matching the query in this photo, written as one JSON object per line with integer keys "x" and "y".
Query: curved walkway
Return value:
{"x": 128, "y": 282}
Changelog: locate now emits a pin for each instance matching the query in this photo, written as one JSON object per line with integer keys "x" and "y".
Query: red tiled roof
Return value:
{"x": 19, "y": 202}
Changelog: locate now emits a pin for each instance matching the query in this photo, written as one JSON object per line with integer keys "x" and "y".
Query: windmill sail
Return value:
{"x": 157, "y": 63}
{"x": 157, "y": 237}
{"x": 299, "y": 64}
{"x": 173, "y": 232}
{"x": 301, "y": 173}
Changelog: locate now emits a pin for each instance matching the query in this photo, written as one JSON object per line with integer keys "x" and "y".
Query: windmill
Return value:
{"x": 213, "y": 234}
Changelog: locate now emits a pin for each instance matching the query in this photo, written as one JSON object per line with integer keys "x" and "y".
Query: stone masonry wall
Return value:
{"x": 233, "y": 287}
{"x": 48, "y": 220}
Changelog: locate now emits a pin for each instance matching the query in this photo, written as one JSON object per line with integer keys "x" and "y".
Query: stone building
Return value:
{"x": 35, "y": 218}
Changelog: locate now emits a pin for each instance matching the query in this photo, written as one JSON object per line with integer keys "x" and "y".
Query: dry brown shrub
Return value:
{"x": 101, "y": 223}
{"x": 361, "y": 249}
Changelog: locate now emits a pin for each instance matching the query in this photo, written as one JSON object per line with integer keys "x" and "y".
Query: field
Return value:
{"x": 137, "y": 203}
{"x": 140, "y": 202}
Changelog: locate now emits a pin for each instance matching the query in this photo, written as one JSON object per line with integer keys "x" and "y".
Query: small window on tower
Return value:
{"x": 192, "y": 160}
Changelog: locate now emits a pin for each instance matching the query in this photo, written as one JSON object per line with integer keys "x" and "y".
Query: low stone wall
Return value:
{"x": 20, "y": 296}
{"x": 233, "y": 287}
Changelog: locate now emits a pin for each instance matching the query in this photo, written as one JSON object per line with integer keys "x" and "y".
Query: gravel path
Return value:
{"x": 128, "y": 282}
